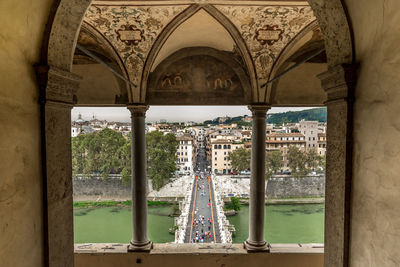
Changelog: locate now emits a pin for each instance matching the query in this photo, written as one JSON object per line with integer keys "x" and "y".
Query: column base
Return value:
{"x": 140, "y": 247}
{"x": 256, "y": 246}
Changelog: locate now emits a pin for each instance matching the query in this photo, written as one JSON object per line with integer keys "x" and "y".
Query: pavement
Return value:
{"x": 202, "y": 204}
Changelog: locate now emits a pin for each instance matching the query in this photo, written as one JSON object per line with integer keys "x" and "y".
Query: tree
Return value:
{"x": 78, "y": 154}
{"x": 273, "y": 162}
{"x": 234, "y": 204}
{"x": 322, "y": 163}
{"x": 312, "y": 160}
{"x": 297, "y": 162}
{"x": 108, "y": 152}
{"x": 161, "y": 157}
{"x": 240, "y": 159}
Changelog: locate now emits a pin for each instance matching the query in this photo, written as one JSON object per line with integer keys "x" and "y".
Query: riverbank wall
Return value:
{"x": 289, "y": 187}
{"x": 278, "y": 187}
{"x": 95, "y": 187}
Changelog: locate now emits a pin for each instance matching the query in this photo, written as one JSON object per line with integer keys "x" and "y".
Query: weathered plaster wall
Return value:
{"x": 21, "y": 32}
{"x": 375, "y": 221}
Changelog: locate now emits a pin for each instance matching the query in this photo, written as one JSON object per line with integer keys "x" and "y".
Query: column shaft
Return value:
{"x": 140, "y": 241}
{"x": 256, "y": 241}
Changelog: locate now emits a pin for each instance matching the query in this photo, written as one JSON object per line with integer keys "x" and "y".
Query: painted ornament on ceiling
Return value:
{"x": 132, "y": 30}
{"x": 130, "y": 34}
{"x": 267, "y": 30}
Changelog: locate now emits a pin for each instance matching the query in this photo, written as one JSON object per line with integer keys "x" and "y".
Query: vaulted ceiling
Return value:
{"x": 134, "y": 37}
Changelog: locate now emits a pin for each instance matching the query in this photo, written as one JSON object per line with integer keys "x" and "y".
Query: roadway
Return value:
{"x": 202, "y": 205}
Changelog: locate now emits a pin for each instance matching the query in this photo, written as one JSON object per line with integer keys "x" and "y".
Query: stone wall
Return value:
{"x": 96, "y": 186}
{"x": 279, "y": 187}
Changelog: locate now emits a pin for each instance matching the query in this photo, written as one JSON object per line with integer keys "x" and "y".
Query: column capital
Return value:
{"x": 259, "y": 109}
{"x": 138, "y": 110}
{"x": 339, "y": 82}
{"x": 56, "y": 85}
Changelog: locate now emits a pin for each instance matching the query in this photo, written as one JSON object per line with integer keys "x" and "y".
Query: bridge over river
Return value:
{"x": 202, "y": 217}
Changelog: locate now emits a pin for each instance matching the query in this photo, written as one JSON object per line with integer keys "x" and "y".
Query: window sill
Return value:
{"x": 105, "y": 248}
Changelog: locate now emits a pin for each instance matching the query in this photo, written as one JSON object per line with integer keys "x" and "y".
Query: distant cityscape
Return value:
{"x": 221, "y": 136}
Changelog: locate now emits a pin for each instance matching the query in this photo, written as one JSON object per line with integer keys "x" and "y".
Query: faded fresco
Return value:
{"x": 132, "y": 30}
{"x": 202, "y": 78}
{"x": 267, "y": 30}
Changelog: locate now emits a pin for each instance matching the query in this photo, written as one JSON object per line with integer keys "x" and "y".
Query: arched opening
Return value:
{"x": 60, "y": 88}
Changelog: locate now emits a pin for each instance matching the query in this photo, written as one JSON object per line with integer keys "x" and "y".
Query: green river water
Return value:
{"x": 283, "y": 224}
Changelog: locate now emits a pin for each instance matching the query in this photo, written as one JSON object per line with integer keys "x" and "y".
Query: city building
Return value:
{"x": 322, "y": 144}
{"x": 220, "y": 148}
{"x": 310, "y": 130}
{"x": 185, "y": 155}
{"x": 282, "y": 142}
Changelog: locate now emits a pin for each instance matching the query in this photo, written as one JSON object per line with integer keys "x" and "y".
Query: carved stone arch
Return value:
{"x": 114, "y": 58}
{"x": 333, "y": 20}
{"x": 225, "y": 22}
{"x": 63, "y": 33}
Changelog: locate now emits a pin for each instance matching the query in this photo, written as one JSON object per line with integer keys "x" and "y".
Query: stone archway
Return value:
{"x": 58, "y": 85}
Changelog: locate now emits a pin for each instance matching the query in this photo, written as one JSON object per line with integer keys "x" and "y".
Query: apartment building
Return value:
{"x": 185, "y": 154}
{"x": 282, "y": 142}
{"x": 310, "y": 130}
{"x": 322, "y": 144}
{"x": 220, "y": 149}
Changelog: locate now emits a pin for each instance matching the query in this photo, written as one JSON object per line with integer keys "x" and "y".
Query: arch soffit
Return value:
{"x": 66, "y": 23}
{"x": 281, "y": 62}
{"x": 177, "y": 21}
{"x": 116, "y": 61}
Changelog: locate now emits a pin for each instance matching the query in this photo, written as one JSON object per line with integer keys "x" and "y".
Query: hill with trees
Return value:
{"x": 314, "y": 114}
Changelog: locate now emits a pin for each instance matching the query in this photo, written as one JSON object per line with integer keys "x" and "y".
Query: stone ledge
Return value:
{"x": 106, "y": 248}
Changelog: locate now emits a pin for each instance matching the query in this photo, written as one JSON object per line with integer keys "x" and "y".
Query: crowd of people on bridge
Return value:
{"x": 201, "y": 236}
{"x": 199, "y": 223}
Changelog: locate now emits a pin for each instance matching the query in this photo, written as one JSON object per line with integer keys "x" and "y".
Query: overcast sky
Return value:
{"x": 169, "y": 113}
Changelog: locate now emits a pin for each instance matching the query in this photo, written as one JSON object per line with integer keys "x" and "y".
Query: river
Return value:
{"x": 283, "y": 224}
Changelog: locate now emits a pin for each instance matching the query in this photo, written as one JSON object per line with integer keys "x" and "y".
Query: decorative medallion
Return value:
{"x": 269, "y": 35}
{"x": 130, "y": 34}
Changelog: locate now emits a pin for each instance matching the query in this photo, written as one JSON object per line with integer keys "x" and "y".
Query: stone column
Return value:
{"x": 140, "y": 241}
{"x": 57, "y": 90}
{"x": 339, "y": 83}
{"x": 256, "y": 241}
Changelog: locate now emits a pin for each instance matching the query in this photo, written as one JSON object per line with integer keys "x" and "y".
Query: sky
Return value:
{"x": 170, "y": 113}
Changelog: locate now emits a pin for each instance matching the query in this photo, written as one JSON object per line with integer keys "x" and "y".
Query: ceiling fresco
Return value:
{"x": 132, "y": 29}
{"x": 267, "y": 30}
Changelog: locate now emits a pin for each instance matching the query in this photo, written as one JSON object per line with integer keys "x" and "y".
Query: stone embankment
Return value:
{"x": 278, "y": 187}
{"x": 310, "y": 189}
{"x": 95, "y": 187}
